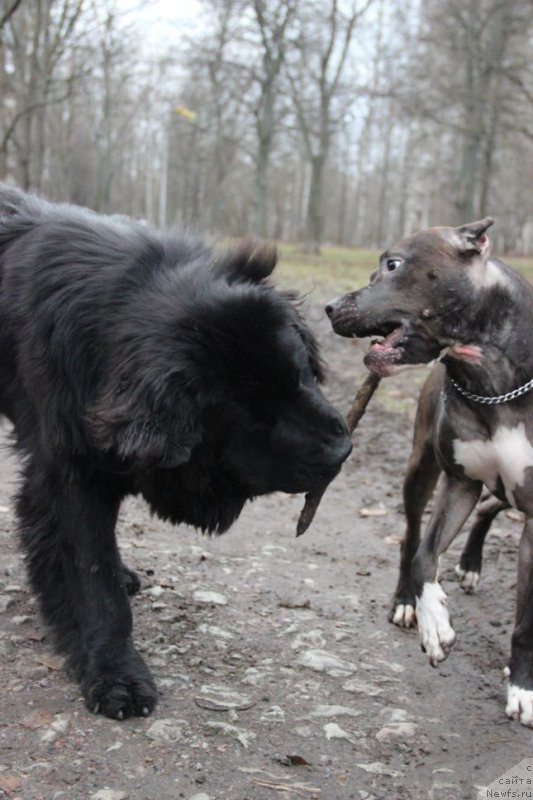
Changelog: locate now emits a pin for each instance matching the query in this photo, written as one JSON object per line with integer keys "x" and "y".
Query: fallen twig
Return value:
{"x": 361, "y": 400}
{"x": 295, "y": 788}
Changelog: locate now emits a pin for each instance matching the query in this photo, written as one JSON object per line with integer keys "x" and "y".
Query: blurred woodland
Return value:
{"x": 342, "y": 121}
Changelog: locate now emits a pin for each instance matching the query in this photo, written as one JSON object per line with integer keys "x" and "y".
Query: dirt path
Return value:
{"x": 285, "y": 680}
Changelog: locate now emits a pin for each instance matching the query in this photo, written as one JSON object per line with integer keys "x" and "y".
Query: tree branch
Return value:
{"x": 9, "y": 13}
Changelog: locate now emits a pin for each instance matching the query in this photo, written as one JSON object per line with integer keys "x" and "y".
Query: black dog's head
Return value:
{"x": 430, "y": 292}
{"x": 216, "y": 377}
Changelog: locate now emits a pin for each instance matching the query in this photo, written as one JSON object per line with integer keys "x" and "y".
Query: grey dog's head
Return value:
{"x": 429, "y": 292}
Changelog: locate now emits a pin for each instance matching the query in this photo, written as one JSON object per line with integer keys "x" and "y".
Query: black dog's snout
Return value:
{"x": 346, "y": 450}
{"x": 341, "y": 437}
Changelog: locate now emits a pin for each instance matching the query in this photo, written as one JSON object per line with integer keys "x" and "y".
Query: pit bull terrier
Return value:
{"x": 440, "y": 295}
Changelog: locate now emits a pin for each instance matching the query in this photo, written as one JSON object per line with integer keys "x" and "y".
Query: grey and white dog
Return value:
{"x": 440, "y": 294}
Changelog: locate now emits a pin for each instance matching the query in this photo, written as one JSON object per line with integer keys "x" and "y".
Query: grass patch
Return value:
{"x": 335, "y": 270}
{"x": 524, "y": 265}
{"x": 343, "y": 269}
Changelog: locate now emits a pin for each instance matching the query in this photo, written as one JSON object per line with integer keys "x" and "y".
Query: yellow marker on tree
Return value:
{"x": 186, "y": 113}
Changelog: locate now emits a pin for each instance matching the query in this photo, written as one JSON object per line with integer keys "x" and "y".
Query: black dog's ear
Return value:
{"x": 472, "y": 237}
{"x": 147, "y": 427}
{"x": 250, "y": 260}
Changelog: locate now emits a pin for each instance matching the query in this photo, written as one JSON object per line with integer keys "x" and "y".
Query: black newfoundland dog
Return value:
{"x": 132, "y": 362}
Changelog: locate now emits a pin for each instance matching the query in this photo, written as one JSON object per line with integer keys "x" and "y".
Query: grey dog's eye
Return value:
{"x": 393, "y": 263}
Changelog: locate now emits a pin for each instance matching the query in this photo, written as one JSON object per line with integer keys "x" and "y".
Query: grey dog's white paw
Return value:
{"x": 436, "y": 634}
{"x": 520, "y": 704}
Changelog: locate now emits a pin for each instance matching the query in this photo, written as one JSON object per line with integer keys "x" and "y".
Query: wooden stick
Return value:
{"x": 361, "y": 400}
{"x": 300, "y": 789}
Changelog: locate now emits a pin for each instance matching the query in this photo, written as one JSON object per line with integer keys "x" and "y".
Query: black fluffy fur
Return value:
{"x": 132, "y": 362}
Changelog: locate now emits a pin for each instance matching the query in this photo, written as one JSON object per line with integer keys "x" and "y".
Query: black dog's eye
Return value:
{"x": 393, "y": 263}
{"x": 338, "y": 428}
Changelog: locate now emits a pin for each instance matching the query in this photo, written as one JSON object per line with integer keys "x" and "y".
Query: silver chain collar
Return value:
{"x": 501, "y": 398}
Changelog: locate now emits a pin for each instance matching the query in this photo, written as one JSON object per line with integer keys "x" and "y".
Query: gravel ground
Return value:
{"x": 280, "y": 676}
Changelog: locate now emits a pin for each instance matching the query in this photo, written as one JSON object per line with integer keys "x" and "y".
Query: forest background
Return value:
{"x": 339, "y": 122}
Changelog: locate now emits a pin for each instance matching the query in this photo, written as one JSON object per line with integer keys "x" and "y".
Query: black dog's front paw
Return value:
{"x": 119, "y": 688}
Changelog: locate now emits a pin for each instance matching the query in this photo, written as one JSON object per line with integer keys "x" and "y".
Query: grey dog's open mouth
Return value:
{"x": 385, "y": 354}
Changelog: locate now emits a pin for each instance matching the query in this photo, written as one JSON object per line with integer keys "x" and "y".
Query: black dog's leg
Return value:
{"x": 67, "y": 528}
{"x": 130, "y": 580}
{"x": 469, "y": 567}
{"x": 520, "y": 687}
{"x": 420, "y": 479}
{"x": 45, "y": 560}
{"x": 454, "y": 503}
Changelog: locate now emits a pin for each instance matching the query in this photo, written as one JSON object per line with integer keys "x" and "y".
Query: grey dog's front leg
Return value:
{"x": 520, "y": 688}
{"x": 455, "y": 501}
{"x": 420, "y": 479}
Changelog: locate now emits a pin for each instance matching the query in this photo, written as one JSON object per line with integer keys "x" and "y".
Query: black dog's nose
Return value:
{"x": 347, "y": 449}
{"x": 330, "y": 308}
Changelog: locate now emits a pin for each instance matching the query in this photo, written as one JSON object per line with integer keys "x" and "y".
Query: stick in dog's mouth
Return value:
{"x": 361, "y": 400}
{"x": 384, "y": 353}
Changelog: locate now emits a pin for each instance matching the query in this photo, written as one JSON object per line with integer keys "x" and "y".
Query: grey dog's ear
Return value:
{"x": 148, "y": 426}
{"x": 472, "y": 237}
{"x": 250, "y": 260}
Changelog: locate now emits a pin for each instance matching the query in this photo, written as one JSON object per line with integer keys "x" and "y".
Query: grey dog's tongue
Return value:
{"x": 382, "y": 356}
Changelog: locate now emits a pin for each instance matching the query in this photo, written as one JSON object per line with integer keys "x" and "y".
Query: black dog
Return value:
{"x": 137, "y": 363}
{"x": 439, "y": 294}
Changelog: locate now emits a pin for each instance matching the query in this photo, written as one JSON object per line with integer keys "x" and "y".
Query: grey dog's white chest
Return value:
{"x": 505, "y": 456}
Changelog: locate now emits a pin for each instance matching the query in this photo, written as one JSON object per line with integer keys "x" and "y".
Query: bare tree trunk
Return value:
{"x": 272, "y": 31}
{"x": 315, "y": 215}
{"x": 472, "y": 140}
{"x": 42, "y": 79}
{"x": 384, "y": 193}
{"x": 343, "y": 200}
{"x": 361, "y": 190}
{"x": 163, "y": 186}
{"x": 8, "y": 13}
{"x": 265, "y": 136}
{"x": 317, "y": 133}
{"x": 482, "y": 71}
{"x": 487, "y": 163}
{"x": 265, "y": 127}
